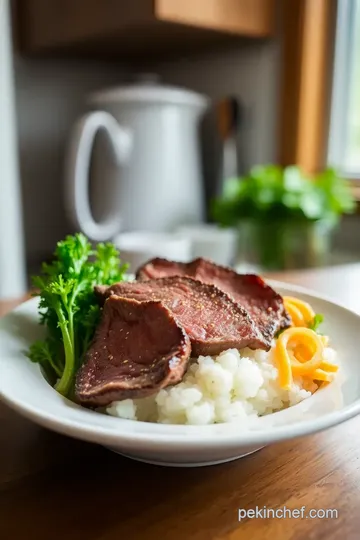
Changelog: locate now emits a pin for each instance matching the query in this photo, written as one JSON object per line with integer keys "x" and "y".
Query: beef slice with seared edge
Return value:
{"x": 265, "y": 305}
{"x": 213, "y": 321}
{"x": 138, "y": 348}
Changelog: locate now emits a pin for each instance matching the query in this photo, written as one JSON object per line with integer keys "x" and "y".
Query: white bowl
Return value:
{"x": 23, "y": 388}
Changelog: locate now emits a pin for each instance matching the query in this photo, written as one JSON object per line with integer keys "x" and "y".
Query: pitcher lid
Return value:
{"x": 148, "y": 91}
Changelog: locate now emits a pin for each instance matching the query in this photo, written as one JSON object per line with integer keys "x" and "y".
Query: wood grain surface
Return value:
{"x": 54, "y": 488}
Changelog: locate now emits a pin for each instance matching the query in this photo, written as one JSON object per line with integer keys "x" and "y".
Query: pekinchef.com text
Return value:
{"x": 263, "y": 512}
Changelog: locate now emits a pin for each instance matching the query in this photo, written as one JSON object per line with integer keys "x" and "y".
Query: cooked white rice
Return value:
{"x": 234, "y": 386}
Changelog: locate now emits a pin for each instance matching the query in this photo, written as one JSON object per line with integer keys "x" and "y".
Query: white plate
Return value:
{"x": 23, "y": 388}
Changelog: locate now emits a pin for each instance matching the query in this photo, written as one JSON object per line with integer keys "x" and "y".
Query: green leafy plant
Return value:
{"x": 272, "y": 193}
{"x": 316, "y": 322}
{"x": 68, "y": 306}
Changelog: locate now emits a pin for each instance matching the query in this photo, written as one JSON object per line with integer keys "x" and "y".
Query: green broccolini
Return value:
{"x": 68, "y": 307}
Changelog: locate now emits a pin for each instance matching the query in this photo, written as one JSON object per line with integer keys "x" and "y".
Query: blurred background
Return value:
{"x": 180, "y": 128}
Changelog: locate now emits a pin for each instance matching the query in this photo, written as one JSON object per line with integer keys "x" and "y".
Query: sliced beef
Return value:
{"x": 213, "y": 321}
{"x": 161, "y": 268}
{"x": 265, "y": 306}
{"x": 138, "y": 349}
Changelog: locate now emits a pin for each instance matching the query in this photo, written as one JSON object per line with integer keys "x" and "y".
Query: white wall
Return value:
{"x": 249, "y": 72}
{"x": 50, "y": 95}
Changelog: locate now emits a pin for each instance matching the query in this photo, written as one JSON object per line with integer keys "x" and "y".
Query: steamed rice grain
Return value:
{"x": 235, "y": 386}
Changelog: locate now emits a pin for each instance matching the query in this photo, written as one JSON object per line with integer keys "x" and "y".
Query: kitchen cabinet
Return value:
{"x": 135, "y": 28}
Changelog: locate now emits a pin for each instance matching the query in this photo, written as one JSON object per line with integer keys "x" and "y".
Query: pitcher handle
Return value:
{"x": 78, "y": 169}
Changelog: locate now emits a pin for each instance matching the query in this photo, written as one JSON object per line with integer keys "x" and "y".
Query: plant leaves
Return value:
{"x": 68, "y": 307}
{"x": 269, "y": 193}
{"x": 316, "y": 322}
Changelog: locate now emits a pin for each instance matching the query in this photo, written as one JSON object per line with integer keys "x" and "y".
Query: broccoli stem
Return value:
{"x": 70, "y": 310}
{"x": 63, "y": 386}
{"x": 56, "y": 368}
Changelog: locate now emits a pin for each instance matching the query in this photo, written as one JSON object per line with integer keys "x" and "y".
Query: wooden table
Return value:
{"x": 54, "y": 488}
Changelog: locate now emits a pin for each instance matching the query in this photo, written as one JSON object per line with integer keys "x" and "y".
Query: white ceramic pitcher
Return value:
{"x": 152, "y": 178}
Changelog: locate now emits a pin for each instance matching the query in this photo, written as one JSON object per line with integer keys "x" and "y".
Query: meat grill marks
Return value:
{"x": 138, "y": 349}
{"x": 213, "y": 321}
{"x": 264, "y": 305}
